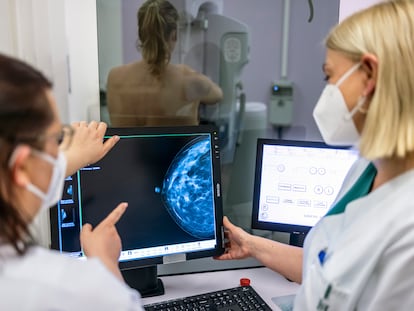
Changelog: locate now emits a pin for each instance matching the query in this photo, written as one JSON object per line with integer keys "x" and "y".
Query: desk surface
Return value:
{"x": 266, "y": 282}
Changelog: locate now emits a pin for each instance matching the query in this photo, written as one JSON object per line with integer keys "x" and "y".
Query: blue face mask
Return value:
{"x": 332, "y": 116}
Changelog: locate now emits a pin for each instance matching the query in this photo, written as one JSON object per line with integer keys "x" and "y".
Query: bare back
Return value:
{"x": 136, "y": 98}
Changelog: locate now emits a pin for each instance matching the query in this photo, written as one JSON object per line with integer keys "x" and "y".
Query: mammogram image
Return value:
{"x": 188, "y": 189}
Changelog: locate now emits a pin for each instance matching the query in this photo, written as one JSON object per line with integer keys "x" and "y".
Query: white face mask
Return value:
{"x": 332, "y": 116}
{"x": 55, "y": 189}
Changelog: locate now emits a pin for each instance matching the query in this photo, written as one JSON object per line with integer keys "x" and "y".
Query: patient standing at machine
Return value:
{"x": 154, "y": 92}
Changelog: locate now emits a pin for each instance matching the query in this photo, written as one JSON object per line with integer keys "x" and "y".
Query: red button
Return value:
{"x": 244, "y": 282}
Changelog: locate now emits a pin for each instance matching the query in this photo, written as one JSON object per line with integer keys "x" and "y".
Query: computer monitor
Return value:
{"x": 296, "y": 183}
{"x": 170, "y": 177}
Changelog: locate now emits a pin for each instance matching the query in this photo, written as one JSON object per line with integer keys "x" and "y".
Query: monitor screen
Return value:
{"x": 296, "y": 183}
{"x": 170, "y": 177}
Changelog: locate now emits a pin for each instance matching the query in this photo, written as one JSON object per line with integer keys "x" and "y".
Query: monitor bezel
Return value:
{"x": 216, "y": 166}
{"x": 275, "y": 226}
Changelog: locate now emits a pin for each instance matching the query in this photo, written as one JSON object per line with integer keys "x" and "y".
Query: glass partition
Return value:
{"x": 267, "y": 63}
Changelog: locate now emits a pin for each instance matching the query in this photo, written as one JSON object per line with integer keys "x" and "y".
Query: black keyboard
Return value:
{"x": 232, "y": 299}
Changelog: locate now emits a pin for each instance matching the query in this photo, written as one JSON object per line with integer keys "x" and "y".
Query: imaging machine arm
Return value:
{"x": 220, "y": 47}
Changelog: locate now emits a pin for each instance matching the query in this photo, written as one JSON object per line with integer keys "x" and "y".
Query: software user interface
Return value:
{"x": 299, "y": 184}
{"x": 167, "y": 181}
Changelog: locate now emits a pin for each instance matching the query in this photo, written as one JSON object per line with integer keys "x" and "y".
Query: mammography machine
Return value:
{"x": 217, "y": 46}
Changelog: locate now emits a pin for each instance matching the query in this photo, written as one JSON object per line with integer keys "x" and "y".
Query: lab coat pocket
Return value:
{"x": 322, "y": 292}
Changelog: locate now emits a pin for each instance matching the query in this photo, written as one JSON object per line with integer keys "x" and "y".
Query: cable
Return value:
{"x": 310, "y": 11}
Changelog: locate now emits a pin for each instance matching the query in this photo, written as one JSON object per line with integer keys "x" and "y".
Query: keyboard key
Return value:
{"x": 241, "y": 298}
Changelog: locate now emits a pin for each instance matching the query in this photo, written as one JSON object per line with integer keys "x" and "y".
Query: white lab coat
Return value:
{"x": 46, "y": 280}
{"x": 369, "y": 252}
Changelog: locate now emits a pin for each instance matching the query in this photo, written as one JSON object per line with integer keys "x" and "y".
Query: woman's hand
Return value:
{"x": 282, "y": 258}
{"x": 236, "y": 242}
{"x": 103, "y": 241}
{"x": 87, "y": 146}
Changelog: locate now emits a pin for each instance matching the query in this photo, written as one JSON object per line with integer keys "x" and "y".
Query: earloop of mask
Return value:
{"x": 358, "y": 107}
{"x": 347, "y": 74}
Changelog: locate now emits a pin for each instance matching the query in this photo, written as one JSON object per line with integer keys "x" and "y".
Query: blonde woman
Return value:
{"x": 360, "y": 255}
{"x": 153, "y": 91}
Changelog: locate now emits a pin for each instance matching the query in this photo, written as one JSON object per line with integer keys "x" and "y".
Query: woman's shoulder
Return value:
{"x": 39, "y": 258}
{"x": 51, "y": 267}
{"x": 181, "y": 74}
{"x": 356, "y": 170}
{"x": 118, "y": 72}
{"x": 184, "y": 69}
{"x": 199, "y": 87}
{"x": 41, "y": 270}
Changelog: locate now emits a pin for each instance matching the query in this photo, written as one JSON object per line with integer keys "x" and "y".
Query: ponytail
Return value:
{"x": 157, "y": 19}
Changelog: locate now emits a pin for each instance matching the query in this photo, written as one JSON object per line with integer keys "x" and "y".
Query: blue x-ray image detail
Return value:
{"x": 187, "y": 189}
{"x": 167, "y": 183}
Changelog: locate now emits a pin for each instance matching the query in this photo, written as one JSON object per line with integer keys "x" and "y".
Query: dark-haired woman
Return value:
{"x": 36, "y": 153}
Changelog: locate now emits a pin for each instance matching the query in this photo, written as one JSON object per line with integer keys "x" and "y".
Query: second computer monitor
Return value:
{"x": 296, "y": 183}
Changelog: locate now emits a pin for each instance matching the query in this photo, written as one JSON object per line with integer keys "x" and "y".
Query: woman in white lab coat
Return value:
{"x": 37, "y": 152}
{"x": 360, "y": 256}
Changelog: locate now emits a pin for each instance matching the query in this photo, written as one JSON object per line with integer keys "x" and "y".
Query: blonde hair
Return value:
{"x": 387, "y": 31}
{"x": 157, "y": 19}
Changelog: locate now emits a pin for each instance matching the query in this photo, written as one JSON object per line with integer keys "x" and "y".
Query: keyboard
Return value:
{"x": 239, "y": 298}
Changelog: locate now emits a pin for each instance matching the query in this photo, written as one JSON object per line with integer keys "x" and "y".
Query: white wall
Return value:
{"x": 32, "y": 31}
{"x": 348, "y": 7}
{"x": 59, "y": 38}
{"x": 7, "y": 25}
{"x": 81, "y": 32}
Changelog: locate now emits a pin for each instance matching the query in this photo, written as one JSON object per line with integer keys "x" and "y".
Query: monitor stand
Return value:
{"x": 297, "y": 238}
{"x": 145, "y": 280}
